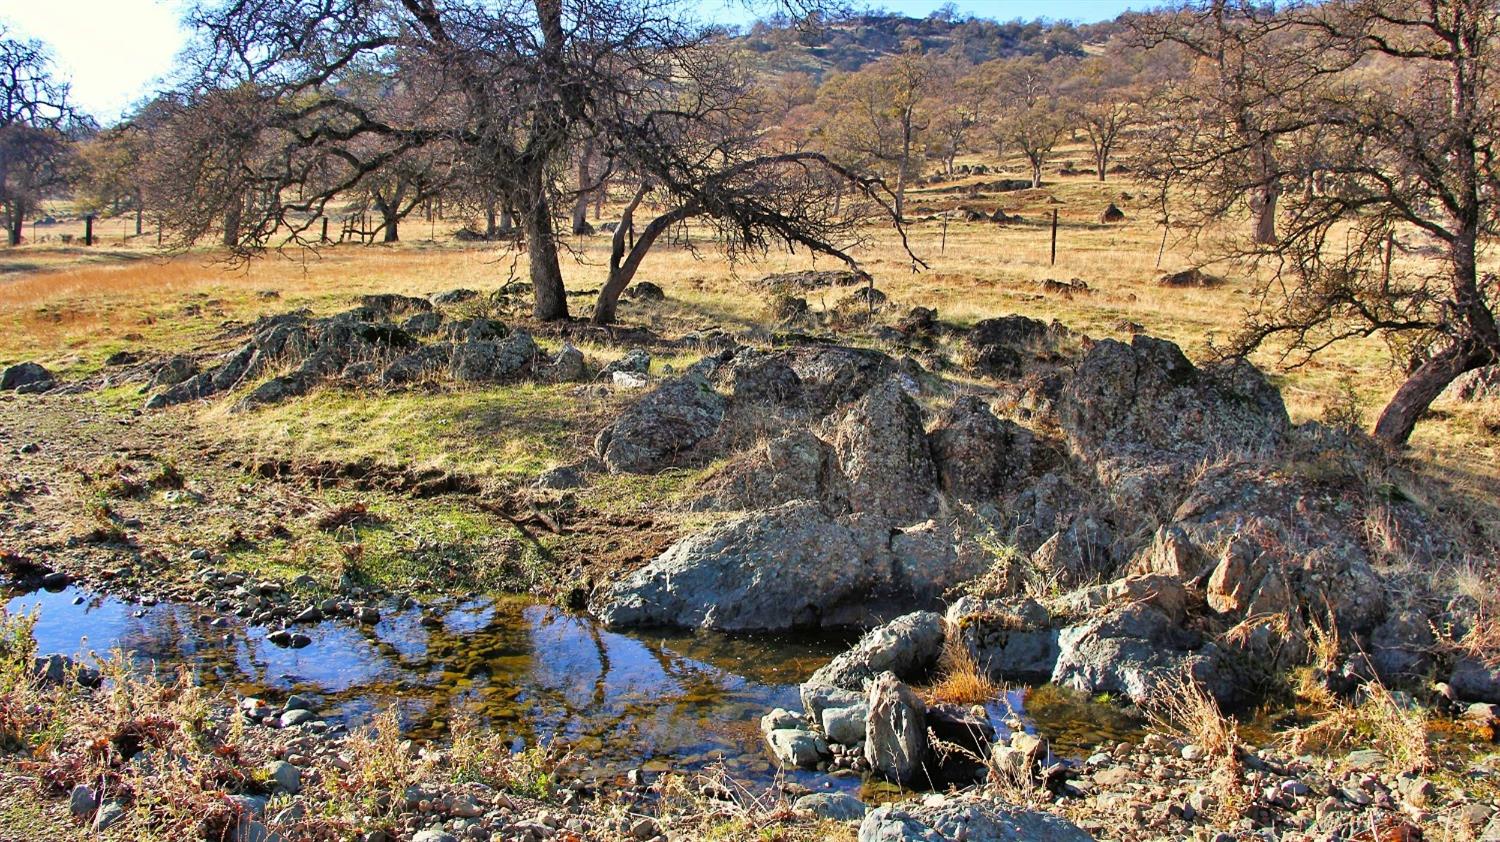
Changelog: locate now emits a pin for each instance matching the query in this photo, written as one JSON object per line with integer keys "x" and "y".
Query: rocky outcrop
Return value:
{"x": 972, "y": 821}
{"x": 1476, "y": 385}
{"x": 1474, "y": 680}
{"x": 833, "y": 375}
{"x": 896, "y": 731}
{"x": 977, "y": 455}
{"x": 673, "y": 418}
{"x": 882, "y": 449}
{"x": 1146, "y": 403}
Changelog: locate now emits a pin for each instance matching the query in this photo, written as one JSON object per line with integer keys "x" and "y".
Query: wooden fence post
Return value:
{"x": 1054, "y": 236}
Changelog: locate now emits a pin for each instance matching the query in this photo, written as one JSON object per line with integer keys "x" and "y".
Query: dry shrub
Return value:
{"x": 348, "y": 514}
{"x": 1182, "y": 708}
{"x": 1380, "y": 720}
{"x": 382, "y": 766}
{"x": 1482, "y": 640}
{"x": 961, "y": 681}
{"x": 481, "y": 755}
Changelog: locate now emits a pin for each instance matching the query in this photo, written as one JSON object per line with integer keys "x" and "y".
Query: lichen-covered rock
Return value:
{"x": 833, "y": 375}
{"x": 882, "y": 449}
{"x": 796, "y": 465}
{"x": 493, "y": 361}
{"x": 673, "y": 418}
{"x": 797, "y": 747}
{"x": 978, "y": 455}
{"x": 755, "y": 377}
{"x": 1402, "y": 647}
{"x": 1146, "y": 402}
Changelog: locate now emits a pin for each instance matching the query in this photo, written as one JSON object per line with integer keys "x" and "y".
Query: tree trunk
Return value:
{"x": 139, "y": 211}
{"x": 392, "y": 221}
{"x": 232, "y": 216}
{"x": 17, "y": 221}
{"x": 1400, "y": 416}
{"x": 1036, "y": 173}
{"x": 581, "y": 202}
{"x": 1263, "y": 206}
{"x": 551, "y": 300}
{"x": 489, "y": 221}
{"x": 1101, "y": 160}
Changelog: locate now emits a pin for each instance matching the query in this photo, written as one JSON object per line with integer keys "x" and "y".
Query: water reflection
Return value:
{"x": 532, "y": 672}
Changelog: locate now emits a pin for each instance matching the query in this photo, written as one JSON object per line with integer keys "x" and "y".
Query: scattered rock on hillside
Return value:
{"x": 795, "y": 465}
{"x": 1193, "y": 277}
{"x": 1111, "y": 214}
{"x": 812, "y": 279}
{"x": 27, "y": 377}
{"x": 645, "y": 291}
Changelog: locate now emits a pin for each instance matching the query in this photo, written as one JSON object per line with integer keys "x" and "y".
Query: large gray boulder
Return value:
{"x": 896, "y": 731}
{"x": 1000, "y": 347}
{"x": 1401, "y": 648}
{"x": 790, "y": 566}
{"x": 986, "y": 821}
{"x": 837, "y": 806}
{"x": 882, "y": 449}
{"x": 1135, "y": 650}
{"x": 678, "y": 415}
{"x": 798, "y": 748}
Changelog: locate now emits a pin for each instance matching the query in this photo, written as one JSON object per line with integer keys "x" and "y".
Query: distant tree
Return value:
{"x": 875, "y": 117}
{"x": 37, "y": 128}
{"x": 1027, "y": 113}
{"x": 518, "y": 90}
{"x": 1381, "y": 140}
{"x": 958, "y": 108}
{"x": 1218, "y": 127}
{"x": 1106, "y": 100}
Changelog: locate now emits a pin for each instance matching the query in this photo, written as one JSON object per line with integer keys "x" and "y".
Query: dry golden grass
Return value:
{"x": 1182, "y": 708}
{"x": 960, "y": 679}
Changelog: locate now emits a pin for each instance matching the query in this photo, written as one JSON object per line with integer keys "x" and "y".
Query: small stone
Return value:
{"x": 109, "y": 813}
{"x": 293, "y": 718}
{"x": 82, "y": 801}
{"x": 284, "y": 776}
{"x": 298, "y": 701}
{"x": 1193, "y": 752}
{"x": 838, "y": 806}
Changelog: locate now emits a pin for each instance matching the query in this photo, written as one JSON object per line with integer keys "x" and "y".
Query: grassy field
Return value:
{"x": 70, "y": 308}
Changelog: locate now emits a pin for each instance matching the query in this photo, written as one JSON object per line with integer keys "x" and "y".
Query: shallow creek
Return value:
{"x": 534, "y": 672}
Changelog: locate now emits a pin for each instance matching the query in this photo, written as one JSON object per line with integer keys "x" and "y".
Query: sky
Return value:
{"x": 113, "y": 52}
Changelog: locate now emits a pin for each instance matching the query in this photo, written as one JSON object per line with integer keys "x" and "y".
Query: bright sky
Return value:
{"x": 114, "y": 51}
